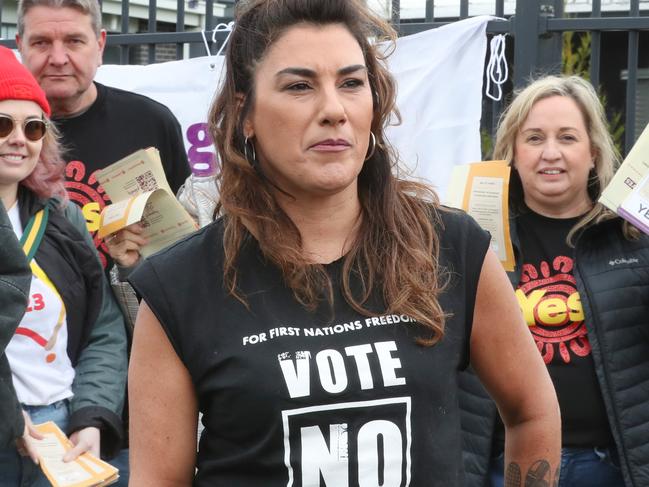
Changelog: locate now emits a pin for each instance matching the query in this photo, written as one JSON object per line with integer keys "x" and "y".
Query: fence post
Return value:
{"x": 536, "y": 50}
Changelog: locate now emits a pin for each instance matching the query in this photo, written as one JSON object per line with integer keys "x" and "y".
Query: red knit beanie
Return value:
{"x": 17, "y": 83}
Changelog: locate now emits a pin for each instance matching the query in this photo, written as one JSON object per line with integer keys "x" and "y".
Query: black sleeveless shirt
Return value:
{"x": 320, "y": 399}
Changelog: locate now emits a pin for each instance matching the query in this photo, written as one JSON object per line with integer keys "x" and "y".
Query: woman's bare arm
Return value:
{"x": 509, "y": 365}
{"x": 163, "y": 409}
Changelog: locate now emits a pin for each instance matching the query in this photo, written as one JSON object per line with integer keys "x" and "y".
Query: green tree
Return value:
{"x": 575, "y": 57}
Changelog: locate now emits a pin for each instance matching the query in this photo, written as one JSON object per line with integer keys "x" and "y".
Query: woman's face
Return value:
{"x": 18, "y": 155}
{"x": 553, "y": 157}
{"x": 312, "y": 112}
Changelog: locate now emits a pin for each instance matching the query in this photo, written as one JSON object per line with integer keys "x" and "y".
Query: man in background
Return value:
{"x": 61, "y": 42}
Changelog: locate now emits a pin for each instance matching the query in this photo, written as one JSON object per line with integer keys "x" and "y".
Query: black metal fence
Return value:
{"x": 535, "y": 29}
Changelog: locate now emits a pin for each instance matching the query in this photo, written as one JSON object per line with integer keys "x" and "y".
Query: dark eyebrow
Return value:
{"x": 309, "y": 73}
{"x": 351, "y": 69}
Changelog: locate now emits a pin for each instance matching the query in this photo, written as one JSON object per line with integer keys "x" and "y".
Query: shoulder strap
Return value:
{"x": 33, "y": 234}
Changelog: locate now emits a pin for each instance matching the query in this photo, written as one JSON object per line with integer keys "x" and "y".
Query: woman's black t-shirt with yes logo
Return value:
{"x": 548, "y": 297}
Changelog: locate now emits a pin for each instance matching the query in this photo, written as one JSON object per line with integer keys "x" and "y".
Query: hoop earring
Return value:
{"x": 373, "y": 144}
{"x": 253, "y": 161}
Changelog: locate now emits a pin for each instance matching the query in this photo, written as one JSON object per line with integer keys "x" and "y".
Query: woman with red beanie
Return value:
{"x": 68, "y": 354}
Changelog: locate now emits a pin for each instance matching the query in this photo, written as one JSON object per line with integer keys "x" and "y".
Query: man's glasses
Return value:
{"x": 33, "y": 128}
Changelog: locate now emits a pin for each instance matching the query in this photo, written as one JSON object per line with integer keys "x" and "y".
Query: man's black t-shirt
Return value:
{"x": 298, "y": 398}
{"x": 552, "y": 308}
{"x": 117, "y": 124}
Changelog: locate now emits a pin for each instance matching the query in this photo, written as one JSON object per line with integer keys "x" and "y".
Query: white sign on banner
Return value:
{"x": 439, "y": 75}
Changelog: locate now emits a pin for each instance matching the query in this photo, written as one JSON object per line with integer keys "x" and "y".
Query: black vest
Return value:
{"x": 612, "y": 275}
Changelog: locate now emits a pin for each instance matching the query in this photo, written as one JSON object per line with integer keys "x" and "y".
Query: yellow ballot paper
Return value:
{"x": 86, "y": 471}
{"x": 633, "y": 170}
{"x": 140, "y": 193}
{"x": 482, "y": 190}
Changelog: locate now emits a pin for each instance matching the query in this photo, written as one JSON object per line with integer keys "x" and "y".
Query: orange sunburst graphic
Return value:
{"x": 550, "y": 302}
{"x": 83, "y": 193}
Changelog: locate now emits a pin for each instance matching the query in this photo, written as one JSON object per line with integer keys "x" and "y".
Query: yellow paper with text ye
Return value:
{"x": 482, "y": 190}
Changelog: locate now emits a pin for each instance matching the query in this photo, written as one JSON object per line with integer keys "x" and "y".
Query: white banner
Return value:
{"x": 439, "y": 74}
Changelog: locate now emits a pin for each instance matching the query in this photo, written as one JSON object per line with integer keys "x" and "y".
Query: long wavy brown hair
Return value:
{"x": 397, "y": 246}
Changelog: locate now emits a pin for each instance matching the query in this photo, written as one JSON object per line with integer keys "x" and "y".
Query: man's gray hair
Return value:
{"x": 87, "y": 7}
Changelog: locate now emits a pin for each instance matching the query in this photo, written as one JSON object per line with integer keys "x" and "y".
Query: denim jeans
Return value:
{"x": 120, "y": 462}
{"x": 580, "y": 467}
{"x": 19, "y": 471}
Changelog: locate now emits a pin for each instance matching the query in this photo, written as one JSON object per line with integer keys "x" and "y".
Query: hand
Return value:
{"x": 85, "y": 440}
{"x": 124, "y": 245}
{"x": 25, "y": 444}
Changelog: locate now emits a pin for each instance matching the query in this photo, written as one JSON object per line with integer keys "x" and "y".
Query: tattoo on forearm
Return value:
{"x": 513, "y": 475}
{"x": 557, "y": 475}
{"x": 538, "y": 475}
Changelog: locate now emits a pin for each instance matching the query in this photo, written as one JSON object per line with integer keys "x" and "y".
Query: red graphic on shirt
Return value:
{"x": 552, "y": 309}
{"x": 37, "y": 303}
{"x": 91, "y": 197}
{"x": 51, "y": 357}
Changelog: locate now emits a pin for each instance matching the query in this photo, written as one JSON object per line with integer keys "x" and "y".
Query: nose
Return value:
{"x": 17, "y": 135}
{"x": 58, "y": 54}
{"x": 551, "y": 150}
{"x": 332, "y": 108}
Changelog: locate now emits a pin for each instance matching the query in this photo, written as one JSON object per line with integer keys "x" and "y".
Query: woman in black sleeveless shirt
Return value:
{"x": 319, "y": 325}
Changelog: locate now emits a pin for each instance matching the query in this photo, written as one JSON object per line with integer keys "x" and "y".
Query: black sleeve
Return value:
{"x": 463, "y": 248}
{"x": 15, "y": 278}
{"x": 477, "y": 246}
{"x": 149, "y": 287}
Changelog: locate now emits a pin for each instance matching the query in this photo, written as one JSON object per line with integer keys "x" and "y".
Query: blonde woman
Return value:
{"x": 582, "y": 282}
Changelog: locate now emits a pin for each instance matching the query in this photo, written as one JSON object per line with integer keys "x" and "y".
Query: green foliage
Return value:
{"x": 575, "y": 57}
{"x": 575, "y": 54}
{"x": 615, "y": 125}
{"x": 486, "y": 143}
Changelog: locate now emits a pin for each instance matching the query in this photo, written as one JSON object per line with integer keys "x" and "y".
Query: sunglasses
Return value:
{"x": 33, "y": 128}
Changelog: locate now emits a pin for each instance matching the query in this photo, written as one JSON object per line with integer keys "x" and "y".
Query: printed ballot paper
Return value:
{"x": 628, "y": 192}
{"x": 86, "y": 471}
{"x": 633, "y": 170}
{"x": 635, "y": 207}
{"x": 482, "y": 190}
{"x": 140, "y": 193}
